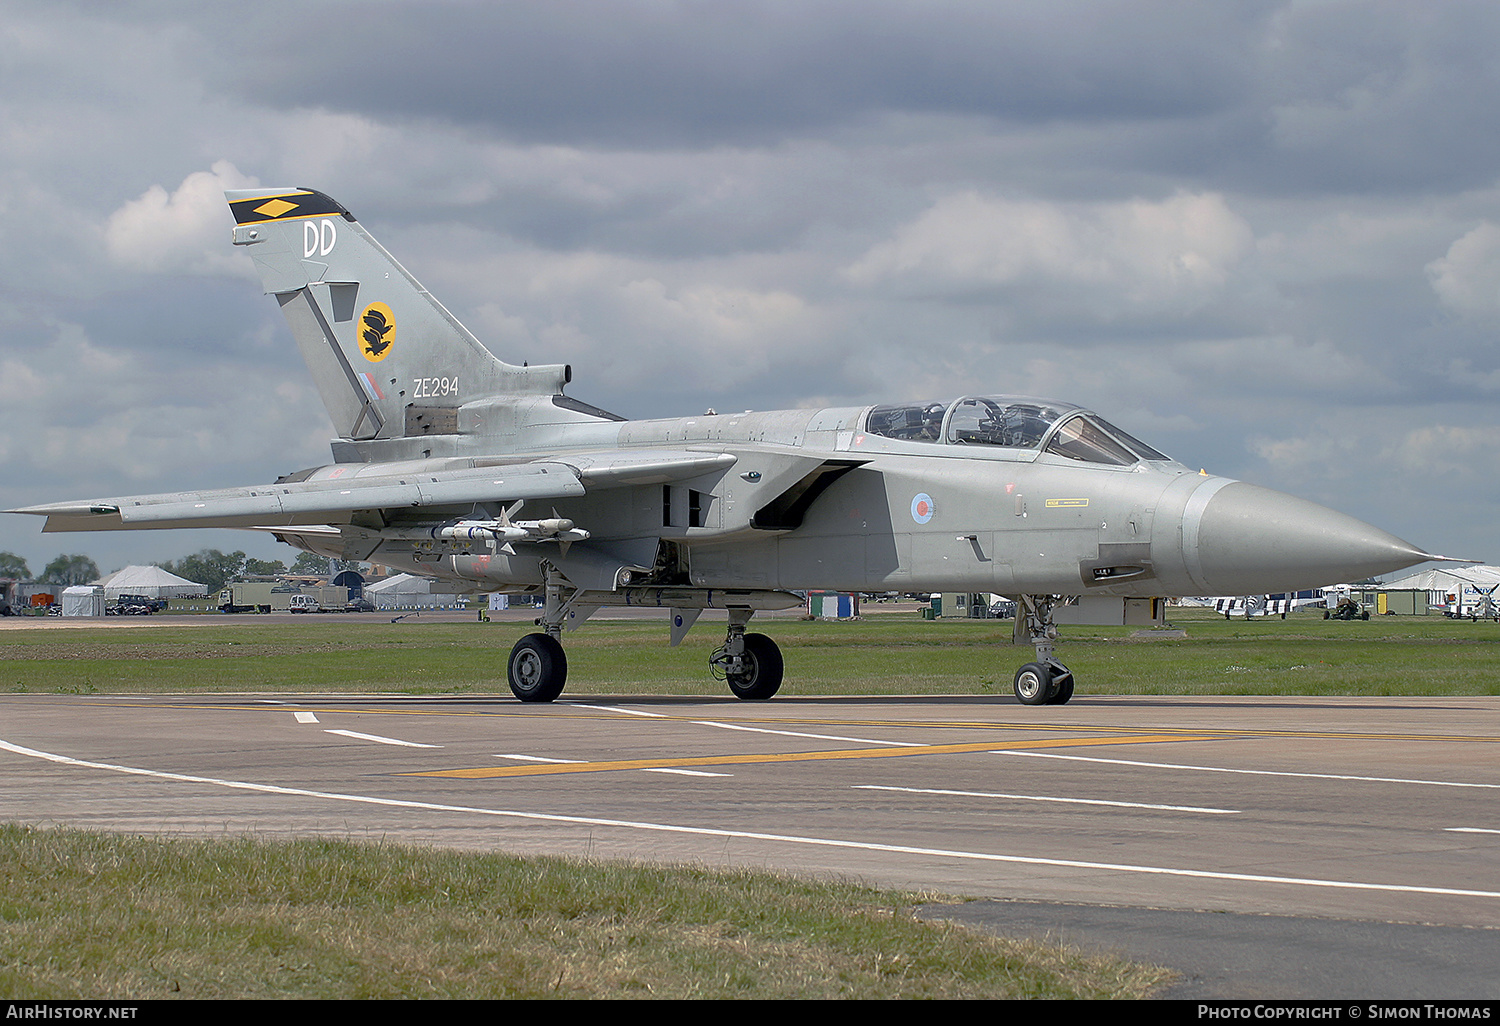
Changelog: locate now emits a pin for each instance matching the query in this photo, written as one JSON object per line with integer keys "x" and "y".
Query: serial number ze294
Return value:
{"x": 426, "y": 388}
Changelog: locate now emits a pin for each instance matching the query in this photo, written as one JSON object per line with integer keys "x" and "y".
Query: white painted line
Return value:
{"x": 615, "y": 709}
{"x": 535, "y": 758}
{"x": 381, "y": 740}
{"x": 688, "y": 773}
{"x": 1250, "y": 772}
{"x": 1044, "y": 798}
{"x": 306, "y": 717}
{"x": 680, "y": 772}
{"x": 753, "y": 730}
{"x": 826, "y": 842}
{"x": 1470, "y": 830}
{"x": 815, "y": 737}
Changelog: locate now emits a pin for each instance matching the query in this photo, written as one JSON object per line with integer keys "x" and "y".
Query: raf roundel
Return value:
{"x": 922, "y": 508}
{"x": 377, "y": 332}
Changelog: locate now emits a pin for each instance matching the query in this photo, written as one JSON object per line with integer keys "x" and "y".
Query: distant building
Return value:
{"x": 1460, "y": 591}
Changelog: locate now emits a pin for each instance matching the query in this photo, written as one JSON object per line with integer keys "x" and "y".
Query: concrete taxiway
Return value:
{"x": 1376, "y": 810}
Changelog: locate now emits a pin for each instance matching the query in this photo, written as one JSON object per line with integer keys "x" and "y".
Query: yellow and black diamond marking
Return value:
{"x": 274, "y": 207}
{"x": 377, "y": 332}
{"x": 287, "y": 206}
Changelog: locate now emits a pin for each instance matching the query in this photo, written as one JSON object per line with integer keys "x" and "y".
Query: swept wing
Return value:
{"x": 332, "y": 495}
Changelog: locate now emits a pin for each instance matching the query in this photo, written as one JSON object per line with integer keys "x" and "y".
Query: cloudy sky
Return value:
{"x": 1263, "y": 236}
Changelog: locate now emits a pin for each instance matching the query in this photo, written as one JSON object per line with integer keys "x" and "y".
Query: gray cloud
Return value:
{"x": 652, "y": 74}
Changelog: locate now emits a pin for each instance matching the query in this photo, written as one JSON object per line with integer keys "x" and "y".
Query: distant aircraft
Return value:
{"x": 442, "y": 446}
{"x": 1472, "y": 601}
{"x": 1265, "y": 605}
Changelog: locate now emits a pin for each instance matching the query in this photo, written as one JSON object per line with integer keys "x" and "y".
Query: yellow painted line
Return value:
{"x": 483, "y": 772}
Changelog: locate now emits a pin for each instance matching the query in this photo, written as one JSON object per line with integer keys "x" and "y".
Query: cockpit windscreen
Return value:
{"x": 1012, "y": 422}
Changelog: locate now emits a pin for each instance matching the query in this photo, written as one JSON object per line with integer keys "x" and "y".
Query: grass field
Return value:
{"x": 881, "y": 654}
{"x": 95, "y": 916}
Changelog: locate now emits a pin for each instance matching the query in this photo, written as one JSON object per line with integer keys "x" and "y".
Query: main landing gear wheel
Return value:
{"x": 759, "y": 676}
{"x": 538, "y": 668}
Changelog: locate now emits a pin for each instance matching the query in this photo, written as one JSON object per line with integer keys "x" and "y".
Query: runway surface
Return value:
{"x": 1371, "y": 810}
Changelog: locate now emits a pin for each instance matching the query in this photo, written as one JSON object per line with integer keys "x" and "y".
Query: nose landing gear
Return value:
{"x": 1046, "y": 681}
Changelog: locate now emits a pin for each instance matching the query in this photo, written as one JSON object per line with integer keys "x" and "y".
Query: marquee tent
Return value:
{"x": 151, "y": 581}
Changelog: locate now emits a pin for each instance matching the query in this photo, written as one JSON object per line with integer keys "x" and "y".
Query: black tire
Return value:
{"x": 1062, "y": 689}
{"x": 537, "y": 668}
{"x": 763, "y": 670}
{"x": 1033, "y": 684}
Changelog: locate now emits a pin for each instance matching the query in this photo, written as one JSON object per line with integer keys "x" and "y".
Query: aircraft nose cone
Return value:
{"x": 1253, "y": 539}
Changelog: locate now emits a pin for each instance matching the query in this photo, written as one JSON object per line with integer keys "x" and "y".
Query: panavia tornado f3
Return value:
{"x": 453, "y": 464}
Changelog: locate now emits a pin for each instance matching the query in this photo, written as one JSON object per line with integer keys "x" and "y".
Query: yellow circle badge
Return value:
{"x": 377, "y": 332}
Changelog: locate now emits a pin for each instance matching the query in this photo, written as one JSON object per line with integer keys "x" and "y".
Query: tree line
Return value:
{"x": 209, "y": 567}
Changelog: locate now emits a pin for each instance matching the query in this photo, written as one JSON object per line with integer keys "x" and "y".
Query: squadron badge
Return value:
{"x": 377, "y": 332}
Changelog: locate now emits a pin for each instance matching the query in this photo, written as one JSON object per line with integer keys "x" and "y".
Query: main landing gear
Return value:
{"x": 538, "y": 668}
{"x": 1046, "y": 681}
{"x": 750, "y": 663}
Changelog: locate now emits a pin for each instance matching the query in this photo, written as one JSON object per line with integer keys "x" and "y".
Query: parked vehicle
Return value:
{"x": 135, "y": 605}
{"x": 1347, "y": 609}
{"x": 255, "y": 597}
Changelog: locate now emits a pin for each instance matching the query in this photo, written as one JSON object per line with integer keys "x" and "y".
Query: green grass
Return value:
{"x": 882, "y": 654}
{"x": 85, "y": 915}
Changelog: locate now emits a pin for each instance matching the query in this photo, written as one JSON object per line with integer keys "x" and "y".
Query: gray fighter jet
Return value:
{"x": 454, "y": 464}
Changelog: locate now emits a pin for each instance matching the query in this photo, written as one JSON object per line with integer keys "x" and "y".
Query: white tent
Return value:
{"x": 83, "y": 600}
{"x": 408, "y": 591}
{"x": 151, "y": 581}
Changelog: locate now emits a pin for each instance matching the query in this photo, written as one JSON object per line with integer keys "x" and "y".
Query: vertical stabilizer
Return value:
{"x": 378, "y": 345}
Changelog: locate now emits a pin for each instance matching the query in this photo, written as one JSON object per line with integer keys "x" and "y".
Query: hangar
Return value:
{"x": 1459, "y": 591}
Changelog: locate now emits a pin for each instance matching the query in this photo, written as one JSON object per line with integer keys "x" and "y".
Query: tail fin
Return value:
{"x": 387, "y": 358}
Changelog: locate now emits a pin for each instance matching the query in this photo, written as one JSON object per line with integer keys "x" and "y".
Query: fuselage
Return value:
{"x": 910, "y": 497}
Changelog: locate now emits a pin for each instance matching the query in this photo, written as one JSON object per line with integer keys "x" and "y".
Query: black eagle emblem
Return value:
{"x": 377, "y": 333}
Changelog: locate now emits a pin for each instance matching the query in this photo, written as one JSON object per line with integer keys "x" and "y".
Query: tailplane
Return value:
{"x": 388, "y": 359}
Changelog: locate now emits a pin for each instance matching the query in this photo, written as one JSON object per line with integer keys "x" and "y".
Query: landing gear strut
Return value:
{"x": 750, "y": 663}
{"x": 538, "y": 667}
{"x": 1046, "y": 681}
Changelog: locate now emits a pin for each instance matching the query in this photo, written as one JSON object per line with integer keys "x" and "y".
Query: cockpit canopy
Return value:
{"x": 1012, "y": 422}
